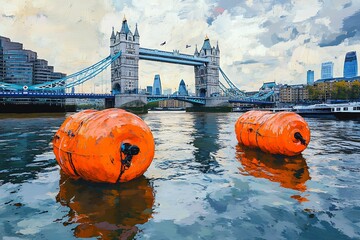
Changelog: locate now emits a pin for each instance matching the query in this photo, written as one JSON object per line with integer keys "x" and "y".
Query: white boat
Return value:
{"x": 346, "y": 111}
{"x": 316, "y": 110}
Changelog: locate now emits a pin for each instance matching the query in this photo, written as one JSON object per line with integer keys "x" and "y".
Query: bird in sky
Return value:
{"x": 187, "y": 46}
{"x": 162, "y": 44}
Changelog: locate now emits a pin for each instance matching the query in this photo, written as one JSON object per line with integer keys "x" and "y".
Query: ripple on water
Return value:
{"x": 198, "y": 186}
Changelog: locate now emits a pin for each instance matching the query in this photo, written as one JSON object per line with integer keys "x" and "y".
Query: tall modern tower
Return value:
{"x": 125, "y": 69}
{"x": 182, "y": 89}
{"x": 207, "y": 75}
{"x": 156, "y": 89}
{"x": 350, "y": 65}
{"x": 327, "y": 70}
{"x": 310, "y": 77}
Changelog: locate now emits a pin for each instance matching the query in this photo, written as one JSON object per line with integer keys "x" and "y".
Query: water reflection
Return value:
{"x": 25, "y": 145}
{"x": 104, "y": 210}
{"x": 206, "y": 134}
{"x": 290, "y": 172}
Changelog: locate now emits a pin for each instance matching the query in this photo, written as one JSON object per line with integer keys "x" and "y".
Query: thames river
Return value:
{"x": 200, "y": 185}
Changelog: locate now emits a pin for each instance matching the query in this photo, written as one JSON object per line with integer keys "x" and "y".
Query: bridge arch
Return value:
{"x": 202, "y": 92}
{"x": 116, "y": 88}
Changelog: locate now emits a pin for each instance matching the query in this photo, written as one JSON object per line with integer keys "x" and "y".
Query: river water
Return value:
{"x": 200, "y": 185}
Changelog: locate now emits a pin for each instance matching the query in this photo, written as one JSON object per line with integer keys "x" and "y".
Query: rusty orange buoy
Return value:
{"x": 284, "y": 133}
{"x": 112, "y": 146}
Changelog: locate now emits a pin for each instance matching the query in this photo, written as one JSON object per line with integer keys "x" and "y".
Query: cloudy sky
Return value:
{"x": 259, "y": 40}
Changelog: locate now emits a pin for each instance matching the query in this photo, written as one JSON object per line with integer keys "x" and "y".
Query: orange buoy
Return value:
{"x": 284, "y": 133}
{"x": 104, "y": 146}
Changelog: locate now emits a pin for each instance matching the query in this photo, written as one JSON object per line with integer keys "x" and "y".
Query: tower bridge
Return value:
{"x": 125, "y": 69}
{"x": 125, "y": 53}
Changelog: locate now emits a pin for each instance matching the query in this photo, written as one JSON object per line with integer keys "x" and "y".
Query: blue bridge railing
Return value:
{"x": 18, "y": 94}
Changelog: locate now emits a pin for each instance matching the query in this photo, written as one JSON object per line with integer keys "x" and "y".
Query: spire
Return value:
{"x": 196, "y": 50}
{"x": 206, "y": 45}
{"x": 112, "y": 34}
{"x": 124, "y": 27}
{"x": 217, "y": 46}
{"x": 136, "y": 32}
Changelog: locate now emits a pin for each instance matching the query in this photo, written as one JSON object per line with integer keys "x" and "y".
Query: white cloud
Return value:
{"x": 283, "y": 38}
{"x": 305, "y": 9}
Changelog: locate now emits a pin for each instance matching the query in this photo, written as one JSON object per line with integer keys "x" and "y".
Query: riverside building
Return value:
{"x": 22, "y": 67}
{"x": 293, "y": 93}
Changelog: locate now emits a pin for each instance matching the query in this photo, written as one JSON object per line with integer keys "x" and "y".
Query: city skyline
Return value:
{"x": 259, "y": 41}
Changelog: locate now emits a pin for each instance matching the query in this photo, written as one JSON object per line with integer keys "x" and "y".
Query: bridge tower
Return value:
{"x": 125, "y": 69}
{"x": 207, "y": 75}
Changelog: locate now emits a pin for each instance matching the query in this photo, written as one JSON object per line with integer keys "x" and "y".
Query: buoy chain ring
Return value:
{"x": 299, "y": 137}
{"x": 129, "y": 151}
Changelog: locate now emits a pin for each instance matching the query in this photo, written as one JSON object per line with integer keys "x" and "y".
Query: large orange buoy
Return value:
{"x": 104, "y": 146}
{"x": 284, "y": 133}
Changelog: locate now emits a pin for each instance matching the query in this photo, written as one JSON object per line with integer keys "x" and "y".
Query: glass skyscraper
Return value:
{"x": 310, "y": 77}
{"x": 350, "y": 65}
{"x": 327, "y": 70}
{"x": 182, "y": 88}
{"x": 18, "y": 70}
{"x": 156, "y": 90}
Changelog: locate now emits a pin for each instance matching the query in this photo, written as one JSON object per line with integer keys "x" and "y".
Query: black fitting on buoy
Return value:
{"x": 299, "y": 137}
{"x": 130, "y": 151}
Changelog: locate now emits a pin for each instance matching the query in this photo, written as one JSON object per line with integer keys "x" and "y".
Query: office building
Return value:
{"x": 182, "y": 89}
{"x": 156, "y": 90}
{"x": 327, "y": 69}
{"x": 22, "y": 67}
{"x": 16, "y": 68}
{"x": 149, "y": 90}
{"x": 350, "y": 65}
{"x": 310, "y": 77}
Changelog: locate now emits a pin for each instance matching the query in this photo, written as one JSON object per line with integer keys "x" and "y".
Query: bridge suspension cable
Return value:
{"x": 78, "y": 77}
{"x": 233, "y": 89}
{"x": 235, "y": 92}
{"x": 71, "y": 80}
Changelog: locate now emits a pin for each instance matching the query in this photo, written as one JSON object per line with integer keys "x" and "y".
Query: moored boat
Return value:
{"x": 316, "y": 110}
{"x": 347, "y": 111}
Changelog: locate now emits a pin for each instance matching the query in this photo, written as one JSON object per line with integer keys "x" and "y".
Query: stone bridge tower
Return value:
{"x": 125, "y": 70}
{"x": 207, "y": 75}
